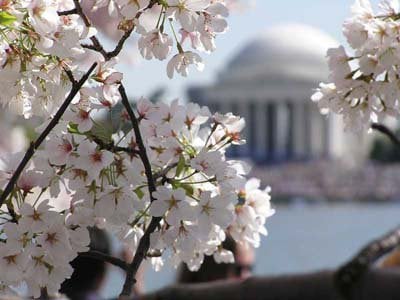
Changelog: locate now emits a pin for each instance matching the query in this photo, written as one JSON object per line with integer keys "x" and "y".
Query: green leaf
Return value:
{"x": 73, "y": 128}
{"x": 139, "y": 193}
{"x": 188, "y": 189}
{"x": 6, "y": 19}
{"x": 181, "y": 166}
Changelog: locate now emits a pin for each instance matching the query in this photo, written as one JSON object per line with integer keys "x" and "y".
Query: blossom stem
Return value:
{"x": 164, "y": 172}
{"x": 211, "y": 133}
{"x": 76, "y": 86}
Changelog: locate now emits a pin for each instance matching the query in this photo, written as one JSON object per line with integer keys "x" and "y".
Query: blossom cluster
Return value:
{"x": 39, "y": 40}
{"x": 80, "y": 174}
{"x": 36, "y": 45}
{"x": 159, "y": 22}
{"x": 81, "y": 179}
{"x": 365, "y": 81}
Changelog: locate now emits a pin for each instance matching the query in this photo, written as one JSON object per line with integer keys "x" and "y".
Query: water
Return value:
{"x": 301, "y": 238}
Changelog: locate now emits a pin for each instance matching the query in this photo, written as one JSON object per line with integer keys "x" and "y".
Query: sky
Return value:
{"x": 328, "y": 15}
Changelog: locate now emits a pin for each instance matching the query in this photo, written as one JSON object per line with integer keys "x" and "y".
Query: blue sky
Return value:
{"x": 328, "y": 15}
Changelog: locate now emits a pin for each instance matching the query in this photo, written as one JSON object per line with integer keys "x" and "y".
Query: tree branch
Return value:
{"x": 76, "y": 86}
{"x": 348, "y": 275}
{"x": 144, "y": 243}
{"x": 106, "y": 258}
{"x": 386, "y": 131}
{"x": 375, "y": 285}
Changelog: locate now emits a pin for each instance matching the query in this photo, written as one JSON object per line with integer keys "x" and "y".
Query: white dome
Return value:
{"x": 287, "y": 52}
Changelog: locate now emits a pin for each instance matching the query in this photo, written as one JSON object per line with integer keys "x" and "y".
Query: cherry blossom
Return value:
{"x": 171, "y": 201}
{"x": 185, "y": 11}
{"x": 363, "y": 81}
{"x": 80, "y": 173}
{"x": 93, "y": 160}
{"x": 181, "y": 62}
{"x": 215, "y": 210}
{"x": 36, "y": 219}
{"x": 155, "y": 44}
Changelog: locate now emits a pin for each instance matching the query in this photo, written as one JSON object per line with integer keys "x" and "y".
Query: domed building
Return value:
{"x": 269, "y": 83}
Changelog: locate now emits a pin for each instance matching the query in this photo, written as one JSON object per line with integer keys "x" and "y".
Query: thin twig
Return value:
{"x": 36, "y": 144}
{"x": 68, "y": 12}
{"x": 144, "y": 243}
{"x": 386, "y": 131}
{"x": 97, "y": 46}
{"x": 164, "y": 171}
{"x": 127, "y": 34}
{"x": 89, "y": 46}
{"x": 112, "y": 147}
{"x": 121, "y": 42}
{"x": 96, "y": 43}
{"x": 70, "y": 75}
{"x": 106, "y": 258}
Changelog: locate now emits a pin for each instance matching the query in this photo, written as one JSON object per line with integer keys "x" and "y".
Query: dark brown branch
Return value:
{"x": 112, "y": 147}
{"x": 106, "y": 258}
{"x": 139, "y": 140}
{"x": 121, "y": 42}
{"x": 96, "y": 43}
{"x": 144, "y": 243}
{"x": 70, "y": 75}
{"x": 348, "y": 275}
{"x": 68, "y": 12}
{"x": 90, "y": 46}
{"x": 36, "y": 144}
{"x": 386, "y": 131}
{"x": 375, "y": 285}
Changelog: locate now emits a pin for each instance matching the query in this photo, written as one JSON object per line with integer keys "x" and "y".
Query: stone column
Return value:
{"x": 315, "y": 133}
{"x": 253, "y": 127}
{"x": 308, "y": 138}
{"x": 299, "y": 139}
{"x": 281, "y": 130}
{"x": 327, "y": 135}
{"x": 290, "y": 133}
{"x": 270, "y": 111}
{"x": 261, "y": 131}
